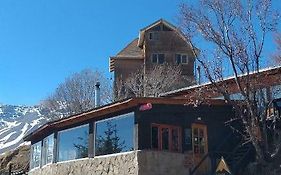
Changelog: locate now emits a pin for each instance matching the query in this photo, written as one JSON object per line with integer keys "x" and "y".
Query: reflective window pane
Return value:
{"x": 187, "y": 134}
{"x": 178, "y": 58}
{"x": 35, "y": 155}
{"x": 175, "y": 139}
{"x": 184, "y": 59}
{"x": 73, "y": 143}
{"x": 154, "y": 58}
{"x": 165, "y": 139}
{"x": 115, "y": 135}
{"x": 154, "y": 134}
{"x": 47, "y": 150}
{"x": 161, "y": 58}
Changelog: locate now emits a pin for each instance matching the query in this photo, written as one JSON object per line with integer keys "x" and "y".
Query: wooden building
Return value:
{"x": 156, "y": 135}
{"x": 158, "y": 43}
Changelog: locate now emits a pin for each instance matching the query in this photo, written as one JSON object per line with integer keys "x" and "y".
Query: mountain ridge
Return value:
{"x": 16, "y": 121}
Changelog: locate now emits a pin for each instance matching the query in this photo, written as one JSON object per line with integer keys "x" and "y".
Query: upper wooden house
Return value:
{"x": 158, "y": 43}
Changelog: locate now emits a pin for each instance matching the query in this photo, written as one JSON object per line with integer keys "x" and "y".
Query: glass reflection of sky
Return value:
{"x": 125, "y": 129}
{"x": 36, "y": 155}
{"x": 68, "y": 139}
{"x": 48, "y": 147}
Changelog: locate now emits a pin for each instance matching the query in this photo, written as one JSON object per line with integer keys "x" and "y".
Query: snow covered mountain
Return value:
{"x": 16, "y": 122}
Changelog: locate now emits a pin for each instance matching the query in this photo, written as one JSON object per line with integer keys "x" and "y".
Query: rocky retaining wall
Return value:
{"x": 161, "y": 163}
{"x": 129, "y": 163}
{"x": 116, "y": 164}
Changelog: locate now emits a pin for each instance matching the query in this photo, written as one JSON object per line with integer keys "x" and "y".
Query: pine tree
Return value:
{"x": 110, "y": 142}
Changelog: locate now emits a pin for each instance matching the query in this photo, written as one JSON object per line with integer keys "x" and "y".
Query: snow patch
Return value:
{"x": 17, "y": 140}
{"x": 7, "y": 137}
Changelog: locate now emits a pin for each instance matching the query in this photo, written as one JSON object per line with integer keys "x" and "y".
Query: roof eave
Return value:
{"x": 109, "y": 109}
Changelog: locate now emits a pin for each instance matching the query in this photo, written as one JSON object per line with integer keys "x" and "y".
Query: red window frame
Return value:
{"x": 170, "y": 128}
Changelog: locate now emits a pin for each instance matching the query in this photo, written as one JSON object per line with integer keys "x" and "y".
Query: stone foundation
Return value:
{"x": 129, "y": 163}
{"x": 161, "y": 163}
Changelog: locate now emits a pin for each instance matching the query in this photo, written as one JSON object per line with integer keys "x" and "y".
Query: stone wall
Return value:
{"x": 116, "y": 164}
{"x": 161, "y": 163}
{"x": 129, "y": 163}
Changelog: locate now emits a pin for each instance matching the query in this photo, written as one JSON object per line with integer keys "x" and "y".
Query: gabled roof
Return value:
{"x": 106, "y": 111}
{"x": 160, "y": 21}
{"x": 131, "y": 50}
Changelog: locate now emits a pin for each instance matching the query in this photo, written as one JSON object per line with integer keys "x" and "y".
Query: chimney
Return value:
{"x": 97, "y": 94}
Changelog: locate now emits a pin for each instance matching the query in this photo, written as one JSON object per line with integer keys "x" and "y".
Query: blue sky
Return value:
{"x": 42, "y": 42}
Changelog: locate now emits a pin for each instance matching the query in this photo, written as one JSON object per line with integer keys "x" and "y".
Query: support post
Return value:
{"x": 91, "y": 140}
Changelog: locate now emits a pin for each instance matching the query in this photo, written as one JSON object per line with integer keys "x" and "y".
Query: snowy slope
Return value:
{"x": 16, "y": 122}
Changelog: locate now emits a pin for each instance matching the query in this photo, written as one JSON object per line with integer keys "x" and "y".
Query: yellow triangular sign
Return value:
{"x": 222, "y": 167}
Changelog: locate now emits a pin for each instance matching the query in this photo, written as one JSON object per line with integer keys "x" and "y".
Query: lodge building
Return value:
{"x": 136, "y": 136}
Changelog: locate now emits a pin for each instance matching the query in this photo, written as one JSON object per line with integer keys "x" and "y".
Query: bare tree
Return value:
{"x": 160, "y": 79}
{"x": 235, "y": 32}
{"x": 277, "y": 56}
{"x": 77, "y": 94}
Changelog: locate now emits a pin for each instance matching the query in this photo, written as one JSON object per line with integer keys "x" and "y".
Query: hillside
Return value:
{"x": 16, "y": 122}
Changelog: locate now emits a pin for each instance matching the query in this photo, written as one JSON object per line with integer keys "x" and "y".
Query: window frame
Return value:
{"x": 59, "y": 141}
{"x": 199, "y": 127}
{"x": 121, "y": 116}
{"x": 170, "y": 141}
{"x": 157, "y": 58}
{"x": 45, "y": 150}
{"x": 181, "y": 58}
{"x": 39, "y": 145}
{"x": 153, "y": 36}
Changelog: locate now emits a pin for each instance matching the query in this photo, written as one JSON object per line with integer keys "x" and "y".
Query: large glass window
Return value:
{"x": 73, "y": 143}
{"x": 115, "y": 135}
{"x": 48, "y": 150}
{"x": 35, "y": 155}
{"x": 166, "y": 137}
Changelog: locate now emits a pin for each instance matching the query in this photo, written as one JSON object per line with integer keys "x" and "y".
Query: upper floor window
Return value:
{"x": 153, "y": 36}
{"x": 166, "y": 137}
{"x": 181, "y": 59}
{"x": 158, "y": 58}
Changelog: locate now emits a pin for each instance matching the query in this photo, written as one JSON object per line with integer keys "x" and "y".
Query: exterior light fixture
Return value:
{"x": 145, "y": 107}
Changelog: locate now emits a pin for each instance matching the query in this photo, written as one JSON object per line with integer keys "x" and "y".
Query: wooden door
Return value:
{"x": 200, "y": 146}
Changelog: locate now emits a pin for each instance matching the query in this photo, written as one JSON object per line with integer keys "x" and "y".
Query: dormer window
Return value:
{"x": 181, "y": 59}
{"x": 158, "y": 58}
{"x": 153, "y": 36}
